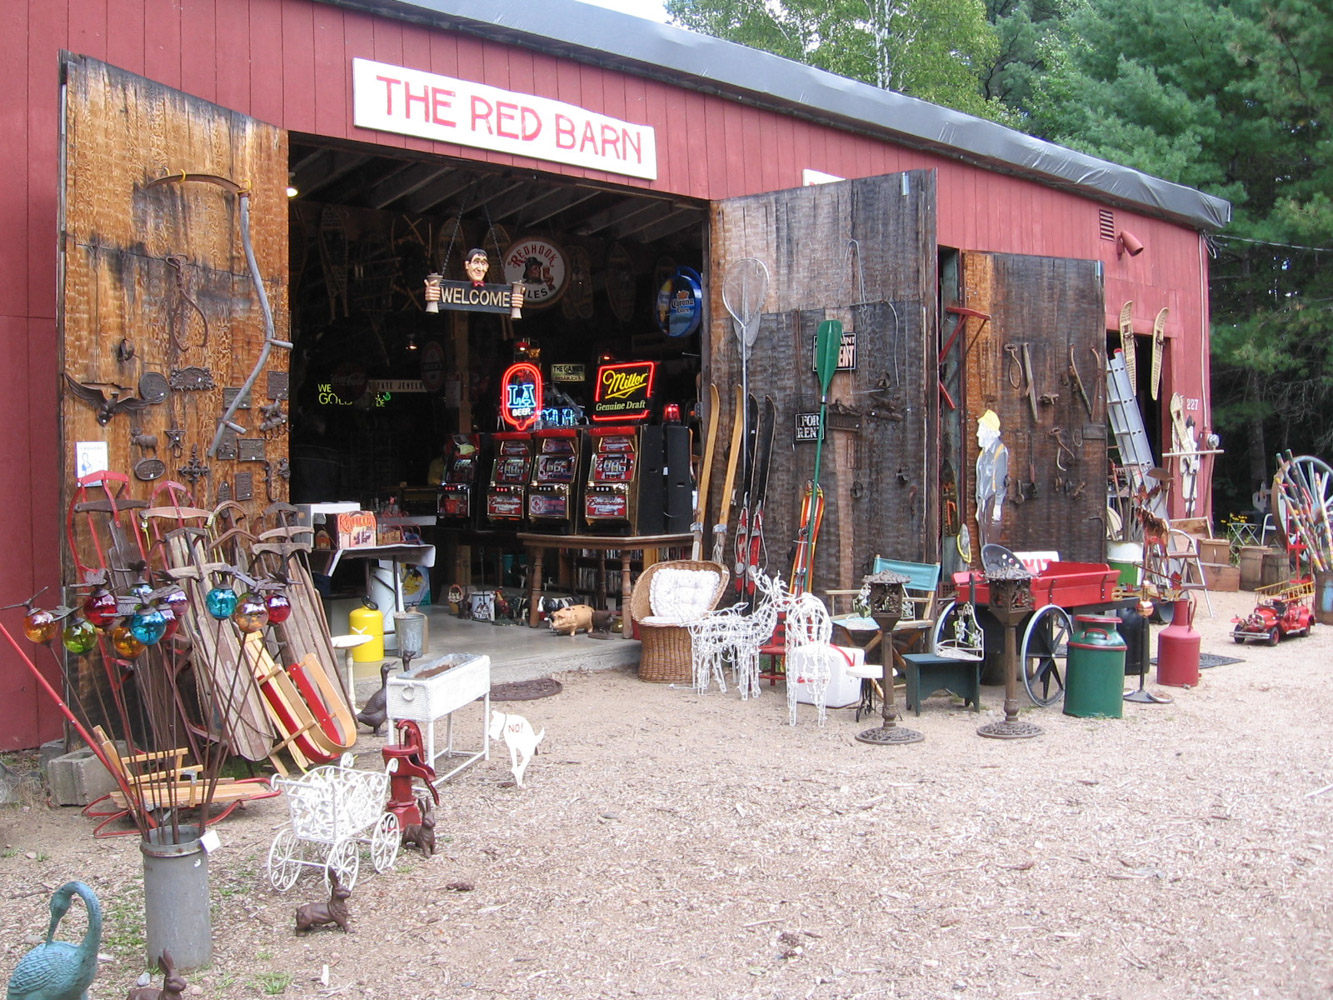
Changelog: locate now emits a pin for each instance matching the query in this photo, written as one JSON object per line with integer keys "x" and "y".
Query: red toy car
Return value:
{"x": 1273, "y": 620}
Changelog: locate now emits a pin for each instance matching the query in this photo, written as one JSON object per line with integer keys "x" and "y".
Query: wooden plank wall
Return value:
{"x": 862, "y": 252}
{"x": 134, "y": 258}
{"x": 1053, "y": 306}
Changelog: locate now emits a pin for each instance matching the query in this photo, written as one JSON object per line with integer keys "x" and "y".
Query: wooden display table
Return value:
{"x": 325, "y": 561}
{"x": 625, "y": 544}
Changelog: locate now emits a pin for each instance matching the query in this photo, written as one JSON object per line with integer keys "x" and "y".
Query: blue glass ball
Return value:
{"x": 148, "y": 626}
{"x": 221, "y": 602}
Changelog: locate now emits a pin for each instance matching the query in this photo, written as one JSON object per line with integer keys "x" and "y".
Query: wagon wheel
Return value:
{"x": 346, "y": 861}
{"x": 385, "y": 841}
{"x": 1045, "y": 648}
{"x": 1305, "y": 471}
{"x": 958, "y": 635}
{"x": 284, "y": 859}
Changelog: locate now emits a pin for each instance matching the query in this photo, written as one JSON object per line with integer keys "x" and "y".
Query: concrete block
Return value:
{"x": 77, "y": 778}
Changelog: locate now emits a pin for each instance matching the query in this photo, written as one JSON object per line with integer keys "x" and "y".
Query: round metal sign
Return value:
{"x": 541, "y": 266}
{"x": 680, "y": 303}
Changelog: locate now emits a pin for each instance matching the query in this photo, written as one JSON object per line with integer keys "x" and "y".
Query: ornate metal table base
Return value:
{"x": 1006, "y": 730}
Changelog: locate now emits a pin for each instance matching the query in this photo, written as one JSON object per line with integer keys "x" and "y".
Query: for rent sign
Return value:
{"x": 413, "y": 102}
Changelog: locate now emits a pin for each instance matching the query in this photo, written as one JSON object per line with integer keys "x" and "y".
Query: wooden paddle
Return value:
{"x": 828, "y": 344}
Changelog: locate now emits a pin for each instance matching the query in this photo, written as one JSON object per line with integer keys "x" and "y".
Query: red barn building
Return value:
{"x": 973, "y": 268}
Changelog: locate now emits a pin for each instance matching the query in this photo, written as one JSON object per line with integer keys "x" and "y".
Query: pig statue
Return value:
{"x": 572, "y": 620}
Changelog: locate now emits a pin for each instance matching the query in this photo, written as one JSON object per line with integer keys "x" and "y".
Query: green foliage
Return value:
{"x": 1233, "y": 97}
{"x": 937, "y": 50}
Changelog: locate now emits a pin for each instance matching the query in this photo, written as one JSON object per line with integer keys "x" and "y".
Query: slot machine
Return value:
{"x": 505, "y": 497}
{"x": 552, "y": 490}
{"x": 459, "y": 488}
{"x": 611, "y": 495}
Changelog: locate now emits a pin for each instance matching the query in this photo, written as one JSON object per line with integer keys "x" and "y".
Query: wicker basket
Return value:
{"x": 667, "y": 656}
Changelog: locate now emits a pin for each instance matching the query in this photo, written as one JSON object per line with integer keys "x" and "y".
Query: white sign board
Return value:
{"x": 413, "y": 102}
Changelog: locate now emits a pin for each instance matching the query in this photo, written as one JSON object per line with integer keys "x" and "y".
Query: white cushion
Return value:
{"x": 677, "y": 595}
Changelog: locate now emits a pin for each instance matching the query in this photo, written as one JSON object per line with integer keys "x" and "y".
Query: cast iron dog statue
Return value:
{"x": 322, "y": 914}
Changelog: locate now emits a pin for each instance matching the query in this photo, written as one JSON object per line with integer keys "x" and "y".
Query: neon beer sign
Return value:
{"x": 521, "y": 396}
{"x": 624, "y": 391}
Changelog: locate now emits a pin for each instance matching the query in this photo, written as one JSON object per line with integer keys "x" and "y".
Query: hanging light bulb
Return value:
{"x": 411, "y": 341}
{"x": 292, "y": 190}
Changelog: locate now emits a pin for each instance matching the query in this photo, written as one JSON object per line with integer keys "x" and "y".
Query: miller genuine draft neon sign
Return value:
{"x": 521, "y": 396}
{"x": 624, "y": 390}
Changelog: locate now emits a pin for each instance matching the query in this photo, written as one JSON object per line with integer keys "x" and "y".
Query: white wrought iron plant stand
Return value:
{"x": 333, "y": 809}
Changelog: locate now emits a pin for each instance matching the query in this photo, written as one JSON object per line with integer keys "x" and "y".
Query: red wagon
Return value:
{"x": 1060, "y": 591}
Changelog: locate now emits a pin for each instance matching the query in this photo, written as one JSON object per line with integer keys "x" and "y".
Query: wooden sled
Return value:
{"x": 314, "y": 724}
{"x": 158, "y": 783}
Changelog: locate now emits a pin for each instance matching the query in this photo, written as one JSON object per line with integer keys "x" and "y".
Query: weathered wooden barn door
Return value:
{"x": 159, "y": 315}
{"x": 861, "y": 252}
{"x": 1045, "y": 327}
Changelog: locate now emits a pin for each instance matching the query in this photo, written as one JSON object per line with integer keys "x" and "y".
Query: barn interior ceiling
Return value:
{"x": 400, "y": 181}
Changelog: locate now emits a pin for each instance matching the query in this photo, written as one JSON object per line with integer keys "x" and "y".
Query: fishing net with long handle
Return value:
{"x": 743, "y": 292}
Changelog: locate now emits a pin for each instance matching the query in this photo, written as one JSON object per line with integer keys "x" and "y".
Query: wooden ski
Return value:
{"x": 1158, "y": 347}
{"x": 705, "y": 473}
{"x": 733, "y": 456}
{"x": 746, "y": 491}
{"x": 758, "y": 491}
{"x": 1127, "y": 343}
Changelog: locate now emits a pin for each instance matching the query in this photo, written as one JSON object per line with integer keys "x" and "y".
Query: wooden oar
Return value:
{"x": 828, "y": 344}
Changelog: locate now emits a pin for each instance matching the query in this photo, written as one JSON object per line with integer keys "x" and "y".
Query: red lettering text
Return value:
{"x": 532, "y": 124}
{"x": 634, "y": 142}
{"x": 610, "y": 141}
{"x": 389, "y": 83}
{"x": 564, "y": 132}
{"x": 480, "y": 115}
{"x": 410, "y": 98}
{"x": 505, "y": 112}
{"x": 589, "y": 138}
{"x": 440, "y": 100}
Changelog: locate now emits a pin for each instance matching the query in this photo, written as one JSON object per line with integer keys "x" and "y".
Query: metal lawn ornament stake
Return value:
{"x": 887, "y": 597}
{"x": 743, "y": 293}
{"x": 828, "y": 344}
{"x": 1010, "y": 602}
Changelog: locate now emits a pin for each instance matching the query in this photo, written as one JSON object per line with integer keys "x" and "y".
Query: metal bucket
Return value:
{"x": 176, "y": 916}
{"x": 1095, "y": 670}
{"x": 1323, "y": 597}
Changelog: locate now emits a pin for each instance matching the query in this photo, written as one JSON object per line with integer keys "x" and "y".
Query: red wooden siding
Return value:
{"x": 288, "y": 62}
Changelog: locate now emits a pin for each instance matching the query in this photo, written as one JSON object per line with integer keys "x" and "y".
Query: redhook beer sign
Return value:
{"x": 413, "y": 102}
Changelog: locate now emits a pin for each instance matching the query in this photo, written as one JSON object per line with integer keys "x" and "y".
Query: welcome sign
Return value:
{"x": 412, "y": 102}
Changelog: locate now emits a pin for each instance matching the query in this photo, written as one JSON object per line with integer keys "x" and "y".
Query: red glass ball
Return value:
{"x": 100, "y": 608}
{"x": 279, "y": 607}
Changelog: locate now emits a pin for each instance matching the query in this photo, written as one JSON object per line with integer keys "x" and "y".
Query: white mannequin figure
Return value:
{"x": 992, "y": 474}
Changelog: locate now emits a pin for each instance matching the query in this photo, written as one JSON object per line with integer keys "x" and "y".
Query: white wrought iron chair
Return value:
{"x": 811, "y": 656}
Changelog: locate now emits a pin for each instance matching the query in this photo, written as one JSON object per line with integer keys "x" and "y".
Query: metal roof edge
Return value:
{"x": 702, "y": 62}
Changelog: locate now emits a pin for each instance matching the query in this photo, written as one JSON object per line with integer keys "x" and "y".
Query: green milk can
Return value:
{"x": 1095, "y": 669}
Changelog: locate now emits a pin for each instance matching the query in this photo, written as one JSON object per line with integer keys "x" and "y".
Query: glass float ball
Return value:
{"x": 79, "y": 636}
{"x": 251, "y": 613}
{"x": 100, "y": 608}
{"x": 125, "y": 644}
{"x": 279, "y": 607}
{"x": 177, "y": 600}
{"x": 221, "y": 602}
{"x": 40, "y": 626}
{"x": 169, "y": 620}
{"x": 142, "y": 591}
{"x": 148, "y": 626}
